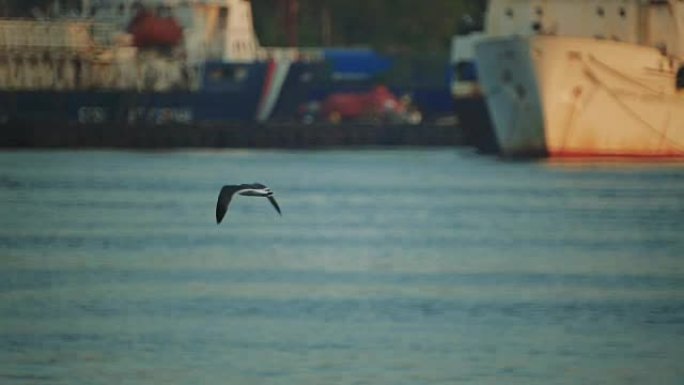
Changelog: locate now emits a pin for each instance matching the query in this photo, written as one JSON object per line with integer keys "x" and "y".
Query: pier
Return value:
{"x": 228, "y": 135}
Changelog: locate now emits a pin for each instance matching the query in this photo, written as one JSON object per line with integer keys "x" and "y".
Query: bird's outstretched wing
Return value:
{"x": 270, "y": 196}
{"x": 224, "y": 198}
{"x": 271, "y": 199}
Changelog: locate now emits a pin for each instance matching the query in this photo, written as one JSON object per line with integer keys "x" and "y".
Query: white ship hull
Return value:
{"x": 564, "y": 96}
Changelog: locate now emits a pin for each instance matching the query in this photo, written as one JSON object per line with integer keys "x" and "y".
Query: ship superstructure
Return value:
{"x": 155, "y": 62}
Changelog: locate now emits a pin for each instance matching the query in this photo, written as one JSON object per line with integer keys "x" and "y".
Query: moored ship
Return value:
{"x": 469, "y": 103}
{"x": 125, "y": 62}
{"x": 585, "y": 78}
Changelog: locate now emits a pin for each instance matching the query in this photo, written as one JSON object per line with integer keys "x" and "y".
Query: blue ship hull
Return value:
{"x": 229, "y": 93}
{"x": 128, "y": 107}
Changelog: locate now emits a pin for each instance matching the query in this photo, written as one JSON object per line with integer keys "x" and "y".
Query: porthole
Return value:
{"x": 600, "y": 11}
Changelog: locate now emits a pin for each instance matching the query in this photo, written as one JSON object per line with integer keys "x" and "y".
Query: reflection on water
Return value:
{"x": 387, "y": 267}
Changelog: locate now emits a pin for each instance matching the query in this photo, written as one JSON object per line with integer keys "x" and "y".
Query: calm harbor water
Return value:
{"x": 387, "y": 267}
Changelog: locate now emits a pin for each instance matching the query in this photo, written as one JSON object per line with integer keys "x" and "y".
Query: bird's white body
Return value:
{"x": 255, "y": 192}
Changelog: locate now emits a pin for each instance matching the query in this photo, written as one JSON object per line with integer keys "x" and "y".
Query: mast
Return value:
{"x": 291, "y": 21}
{"x": 85, "y": 8}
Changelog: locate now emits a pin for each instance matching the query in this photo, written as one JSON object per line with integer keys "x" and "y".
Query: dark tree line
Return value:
{"x": 389, "y": 25}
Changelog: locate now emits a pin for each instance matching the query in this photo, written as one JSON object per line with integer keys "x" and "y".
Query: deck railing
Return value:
{"x": 53, "y": 35}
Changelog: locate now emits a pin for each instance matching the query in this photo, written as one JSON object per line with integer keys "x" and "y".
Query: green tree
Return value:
{"x": 387, "y": 25}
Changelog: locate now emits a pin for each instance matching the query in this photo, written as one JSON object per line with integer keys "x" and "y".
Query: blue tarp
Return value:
{"x": 356, "y": 63}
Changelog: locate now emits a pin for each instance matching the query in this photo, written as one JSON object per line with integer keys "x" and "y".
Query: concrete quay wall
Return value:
{"x": 229, "y": 135}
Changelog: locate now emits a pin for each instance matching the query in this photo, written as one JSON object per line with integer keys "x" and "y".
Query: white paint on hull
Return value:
{"x": 580, "y": 96}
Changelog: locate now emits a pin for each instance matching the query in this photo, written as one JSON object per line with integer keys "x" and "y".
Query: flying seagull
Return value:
{"x": 250, "y": 190}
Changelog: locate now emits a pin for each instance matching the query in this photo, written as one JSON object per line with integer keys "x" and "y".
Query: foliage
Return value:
{"x": 388, "y": 25}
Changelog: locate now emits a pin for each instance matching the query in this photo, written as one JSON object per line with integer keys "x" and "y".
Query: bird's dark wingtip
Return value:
{"x": 275, "y": 204}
